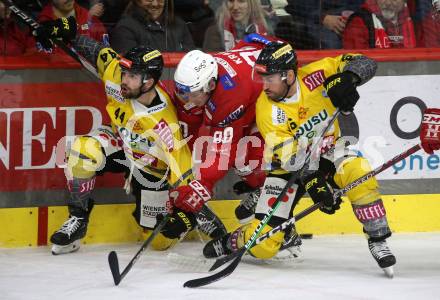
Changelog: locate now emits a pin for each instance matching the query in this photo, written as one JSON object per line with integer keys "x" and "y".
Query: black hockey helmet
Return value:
{"x": 276, "y": 57}
{"x": 143, "y": 60}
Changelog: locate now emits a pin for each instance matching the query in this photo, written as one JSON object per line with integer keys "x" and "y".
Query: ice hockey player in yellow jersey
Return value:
{"x": 296, "y": 102}
{"x": 144, "y": 142}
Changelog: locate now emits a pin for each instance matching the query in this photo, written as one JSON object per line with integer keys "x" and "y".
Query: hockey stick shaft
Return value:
{"x": 289, "y": 183}
{"x": 113, "y": 258}
{"x": 278, "y": 201}
{"x": 236, "y": 256}
{"x": 34, "y": 25}
{"x": 340, "y": 192}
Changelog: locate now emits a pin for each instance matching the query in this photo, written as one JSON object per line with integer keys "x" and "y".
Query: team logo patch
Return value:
{"x": 235, "y": 115}
{"x": 114, "y": 90}
{"x": 315, "y": 79}
{"x": 278, "y": 115}
{"x": 227, "y": 82}
{"x": 302, "y": 113}
{"x": 211, "y": 105}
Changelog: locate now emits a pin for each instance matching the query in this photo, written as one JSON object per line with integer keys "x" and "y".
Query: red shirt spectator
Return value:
{"x": 13, "y": 40}
{"x": 380, "y": 24}
{"x": 428, "y": 29}
{"x": 87, "y": 25}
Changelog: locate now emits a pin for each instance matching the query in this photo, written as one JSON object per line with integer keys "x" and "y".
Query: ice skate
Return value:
{"x": 382, "y": 254}
{"x": 67, "y": 238}
{"x": 246, "y": 209}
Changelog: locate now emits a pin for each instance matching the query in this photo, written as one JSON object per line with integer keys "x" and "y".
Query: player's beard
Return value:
{"x": 277, "y": 96}
{"x": 129, "y": 93}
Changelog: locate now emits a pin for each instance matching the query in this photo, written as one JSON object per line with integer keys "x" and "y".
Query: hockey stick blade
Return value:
{"x": 240, "y": 253}
{"x": 195, "y": 283}
{"x": 113, "y": 258}
{"x": 236, "y": 257}
{"x": 114, "y": 267}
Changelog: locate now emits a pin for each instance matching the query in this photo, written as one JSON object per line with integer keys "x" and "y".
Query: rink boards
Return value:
{"x": 114, "y": 223}
{"x": 44, "y": 100}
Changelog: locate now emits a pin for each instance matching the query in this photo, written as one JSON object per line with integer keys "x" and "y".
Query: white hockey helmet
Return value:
{"x": 195, "y": 71}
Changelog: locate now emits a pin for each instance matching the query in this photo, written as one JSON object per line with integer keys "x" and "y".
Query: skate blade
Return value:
{"x": 59, "y": 249}
{"x": 189, "y": 263}
{"x": 389, "y": 272}
{"x": 289, "y": 255}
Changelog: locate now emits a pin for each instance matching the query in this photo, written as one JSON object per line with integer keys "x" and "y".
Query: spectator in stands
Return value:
{"x": 320, "y": 23}
{"x": 380, "y": 24}
{"x": 233, "y": 19}
{"x": 108, "y": 11}
{"x": 151, "y": 23}
{"x": 13, "y": 40}
{"x": 87, "y": 24}
{"x": 197, "y": 15}
{"x": 284, "y": 27}
{"x": 426, "y": 17}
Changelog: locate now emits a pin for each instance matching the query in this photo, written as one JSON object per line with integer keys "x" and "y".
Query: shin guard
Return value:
{"x": 373, "y": 218}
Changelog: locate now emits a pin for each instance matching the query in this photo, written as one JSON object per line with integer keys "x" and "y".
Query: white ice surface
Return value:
{"x": 334, "y": 267}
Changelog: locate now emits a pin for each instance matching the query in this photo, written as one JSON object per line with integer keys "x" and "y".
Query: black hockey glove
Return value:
{"x": 320, "y": 191}
{"x": 179, "y": 223}
{"x": 341, "y": 89}
{"x": 241, "y": 187}
{"x": 62, "y": 28}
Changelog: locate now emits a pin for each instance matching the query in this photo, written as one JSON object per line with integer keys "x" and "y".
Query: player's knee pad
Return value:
{"x": 85, "y": 157}
{"x": 269, "y": 247}
{"x": 373, "y": 218}
{"x": 271, "y": 189}
{"x": 148, "y": 205}
{"x": 350, "y": 170}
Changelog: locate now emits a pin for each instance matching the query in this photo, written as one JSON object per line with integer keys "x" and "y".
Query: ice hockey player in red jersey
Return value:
{"x": 218, "y": 107}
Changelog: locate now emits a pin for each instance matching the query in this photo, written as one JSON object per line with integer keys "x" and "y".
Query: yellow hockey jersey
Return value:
{"x": 151, "y": 136}
{"x": 303, "y": 115}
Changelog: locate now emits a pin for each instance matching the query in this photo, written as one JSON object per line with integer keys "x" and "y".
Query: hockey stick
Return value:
{"x": 206, "y": 266}
{"x": 34, "y": 25}
{"x": 339, "y": 193}
{"x": 237, "y": 256}
{"x": 113, "y": 257}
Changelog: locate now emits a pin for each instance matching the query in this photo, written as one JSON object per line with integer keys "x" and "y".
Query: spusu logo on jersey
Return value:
{"x": 308, "y": 128}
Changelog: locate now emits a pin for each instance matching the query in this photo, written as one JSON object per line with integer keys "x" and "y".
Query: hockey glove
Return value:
{"x": 190, "y": 198}
{"x": 341, "y": 89}
{"x": 320, "y": 191}
{"x": 179, "y": 223}
{"x": 430, "y": 130}
{"x": 62, "y": 28}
